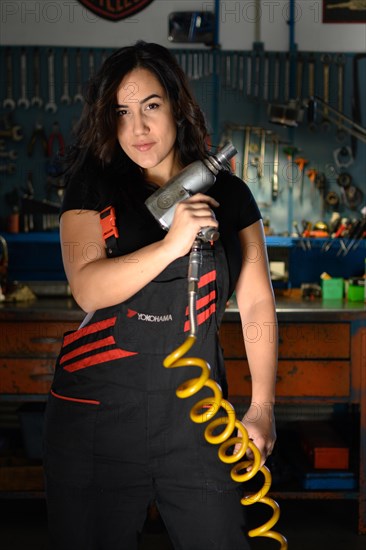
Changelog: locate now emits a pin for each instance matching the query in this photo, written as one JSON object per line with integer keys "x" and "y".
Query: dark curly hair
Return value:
{"x": 96, "y": 133}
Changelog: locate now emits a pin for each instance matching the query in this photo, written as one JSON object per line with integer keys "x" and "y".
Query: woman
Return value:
{"x": 117, "y": 437}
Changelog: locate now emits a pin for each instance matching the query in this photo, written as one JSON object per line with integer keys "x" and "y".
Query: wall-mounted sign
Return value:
{"x": 344, "y": 11}
{"x": 115, "y": 10}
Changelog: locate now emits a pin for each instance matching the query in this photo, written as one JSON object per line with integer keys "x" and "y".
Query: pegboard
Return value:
{"x": 234, "y": 89}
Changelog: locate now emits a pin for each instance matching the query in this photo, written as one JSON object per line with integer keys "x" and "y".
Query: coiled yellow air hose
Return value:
{"x": 205, "y": 409}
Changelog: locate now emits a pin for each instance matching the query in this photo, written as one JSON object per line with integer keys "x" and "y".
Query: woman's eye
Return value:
{"x": 122, "y": 112}
{"x": 152, "y": 106}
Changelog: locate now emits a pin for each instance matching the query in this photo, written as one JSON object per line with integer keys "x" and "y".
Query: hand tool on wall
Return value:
{"x": 28, "y": 220}
{"x": 286, "y": 84}
{"x": 257, "y": 59}
{"x": 320, "y": 184}
{"x": 51, "y": 104}
{"x": 326, "y": 61}
{"x": 299, "y": 75}
{"x": 301, "y": 163}
{"x": 340, "y": 62}
{"x": 91, "y": 64}
{"x": 265, "y": 84}
{"x": 14, "y": 132}
{"x": 332, "y": 199}
{"x": 36, "y": 100}
{"x": 227, "y": 70}
{"x": 65, "y": 98}
{"x": 290, "y": 151}
{"x": 354, "y": 197}
{"x": 311, "y": 85}
{"x": 56, "y": 137}
{"x": 311, "y": 174}
{"x": 260, "y": 169}
{"x": 9, "y": 102}
{"x": 343, "y": 157}
{"x": 7, "y": 168}
{"x": 356, "y": 101}
{"x": 38, "y": 135}
{"x": 276, "y": 78}
{"x": 78, "y": 97}
{"x": 11, "y": 154}
{"x": 23, "y": 101}
{"x": 275, "y": 182}
{"x": 246, "y": 154}
{"x": 241, "y": 65}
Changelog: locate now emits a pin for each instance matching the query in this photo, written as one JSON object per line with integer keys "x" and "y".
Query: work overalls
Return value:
{"x": 117, "y": 436}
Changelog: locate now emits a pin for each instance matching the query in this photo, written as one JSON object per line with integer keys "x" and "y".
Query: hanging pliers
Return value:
{"x": 56, "y": 135}
{"x": 38, "y": 134}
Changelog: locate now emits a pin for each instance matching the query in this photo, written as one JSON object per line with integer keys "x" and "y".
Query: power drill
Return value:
{"x": 197, "y": 177}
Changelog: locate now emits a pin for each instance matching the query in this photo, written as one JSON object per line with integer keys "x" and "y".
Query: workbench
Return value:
{"x": 322, "y": 360}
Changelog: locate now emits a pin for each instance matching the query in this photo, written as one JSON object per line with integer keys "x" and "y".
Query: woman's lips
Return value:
{"x": 142, "y": 147}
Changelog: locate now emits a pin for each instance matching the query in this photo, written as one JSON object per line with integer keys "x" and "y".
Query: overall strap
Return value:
{"x": 109, "y": 230}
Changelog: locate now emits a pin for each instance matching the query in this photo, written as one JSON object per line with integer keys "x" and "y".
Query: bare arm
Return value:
{"x": 97, "y": 281}
{"x": 259, "y": 322}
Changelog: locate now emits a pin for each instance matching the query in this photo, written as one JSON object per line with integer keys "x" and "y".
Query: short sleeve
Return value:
{"x": 237, "y": 200}
{"x": 81, "y": 193}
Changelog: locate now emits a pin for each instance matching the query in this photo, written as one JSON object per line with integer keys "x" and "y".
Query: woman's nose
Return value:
{"x": 140, "y": 124}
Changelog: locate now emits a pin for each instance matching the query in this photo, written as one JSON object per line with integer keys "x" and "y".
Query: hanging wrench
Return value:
{"x": 311, "y": 86}
{"x": 91, "y": 64}
{"x": 276, "y": 79}
{"x": 326, "y": 60}
{"x": 36, "y": 100}
{"x": 299, "y": 76}
{"x": 65, "y": 98}
{"x": 12, "y": 154}
{"x": 14, "y": 133}
{"x": 259, "y": 161}
{"x": 340, "y": 61}
{"x": 23, "y": 101}
{"x": 9, "y": 101}
{"x": 51, "y": 105}
{"x": 78, "y": 97}
{"x": 246, "y": 153}
{"x": 275, "y": 168}
{"x": 7, "y": 168}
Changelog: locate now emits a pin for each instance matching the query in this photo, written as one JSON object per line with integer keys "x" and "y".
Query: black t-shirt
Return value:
{"x": 95, "y": 190}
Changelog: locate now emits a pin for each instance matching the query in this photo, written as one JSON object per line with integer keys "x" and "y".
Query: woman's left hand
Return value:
{"x": 260, "y": 424}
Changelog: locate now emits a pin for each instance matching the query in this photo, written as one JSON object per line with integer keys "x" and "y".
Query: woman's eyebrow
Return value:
{"x": 142, "y": 101}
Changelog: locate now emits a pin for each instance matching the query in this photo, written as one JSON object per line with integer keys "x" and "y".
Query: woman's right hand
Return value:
{"x": 190, "y": 216}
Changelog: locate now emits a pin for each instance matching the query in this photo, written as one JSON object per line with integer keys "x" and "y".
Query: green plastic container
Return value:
{"x": 356, "y": 290}
{"x": 333, "y": 289}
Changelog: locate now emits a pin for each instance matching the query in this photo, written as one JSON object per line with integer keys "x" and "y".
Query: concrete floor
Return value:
{"x": 308, "y": 525}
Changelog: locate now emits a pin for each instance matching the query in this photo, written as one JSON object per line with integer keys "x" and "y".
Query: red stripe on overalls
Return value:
{"x": 201, "y": 317}
{"x": 109, "y": 341}
{"x": 207, "y": 278}
{"x": 75, "y": 399}
{"x": 89, "y": 329}
{"x": 96, "y": 359}
{"x": 204, "y": 300}
{"x": 204, "y": 315}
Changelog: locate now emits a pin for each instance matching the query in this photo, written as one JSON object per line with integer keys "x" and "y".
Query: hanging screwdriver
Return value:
{"x": 301, "y": 163}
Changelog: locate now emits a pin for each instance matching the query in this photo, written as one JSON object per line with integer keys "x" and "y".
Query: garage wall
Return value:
{"x": 66, "y": 22}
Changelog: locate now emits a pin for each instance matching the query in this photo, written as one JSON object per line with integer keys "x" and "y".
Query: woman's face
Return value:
{"x": 146, "y": 129}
